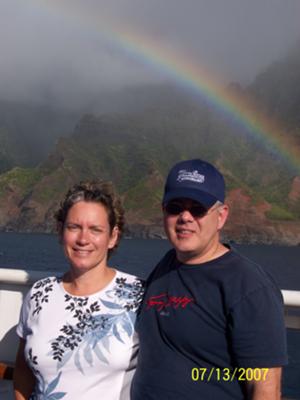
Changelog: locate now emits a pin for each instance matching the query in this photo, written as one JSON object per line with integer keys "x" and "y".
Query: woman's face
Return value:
{"x": 87, "y": 236}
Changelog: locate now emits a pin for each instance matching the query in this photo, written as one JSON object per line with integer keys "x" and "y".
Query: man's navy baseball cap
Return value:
{"x": 196, "y": 180}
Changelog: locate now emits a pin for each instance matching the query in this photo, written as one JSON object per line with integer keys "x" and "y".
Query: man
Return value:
{"x": 211, "y": 325}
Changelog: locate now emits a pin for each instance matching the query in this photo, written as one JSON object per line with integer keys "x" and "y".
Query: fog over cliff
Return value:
{"x": 65, "y": 51}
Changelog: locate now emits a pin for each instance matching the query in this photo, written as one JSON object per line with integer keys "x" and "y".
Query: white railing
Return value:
{"x": 22, "y": 277}
{"x": 14, "y": 284}
{"x": 26, "y": 278}
{"x": 292, "y": 308}
{"x": 291, "y": 298}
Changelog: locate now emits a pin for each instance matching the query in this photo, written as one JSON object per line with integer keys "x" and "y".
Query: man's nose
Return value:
{"x": 186, "y": 215}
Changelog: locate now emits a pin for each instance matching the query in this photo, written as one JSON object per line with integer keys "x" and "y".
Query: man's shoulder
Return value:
{"x": 164, "y": 265}
{"x": 246, "y": 267}
{"x": 250, "y": 276}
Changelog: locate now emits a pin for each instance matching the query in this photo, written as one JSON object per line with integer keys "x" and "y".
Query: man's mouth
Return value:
{"x": 182, "y": 232}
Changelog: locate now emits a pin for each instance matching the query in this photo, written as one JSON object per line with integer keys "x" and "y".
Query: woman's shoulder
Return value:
{"x": 46, "y": 283}
{"x": 39, "y": 294}
{"x": 42, "y": 288}
{"x": 126, "y": 277}
{"x": 129, "y": 283}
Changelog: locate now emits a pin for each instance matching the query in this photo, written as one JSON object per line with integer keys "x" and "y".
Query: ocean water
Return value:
{"x": 139, "y": 256}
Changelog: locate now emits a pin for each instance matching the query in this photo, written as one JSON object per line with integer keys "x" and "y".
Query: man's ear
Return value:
{"x": 223, "y": 212}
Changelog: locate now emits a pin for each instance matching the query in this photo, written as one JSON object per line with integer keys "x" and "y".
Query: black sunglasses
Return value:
{"x": 197, "y": 210}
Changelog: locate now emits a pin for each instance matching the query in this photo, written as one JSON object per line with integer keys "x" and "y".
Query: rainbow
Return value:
{"x": 188, "y": 74}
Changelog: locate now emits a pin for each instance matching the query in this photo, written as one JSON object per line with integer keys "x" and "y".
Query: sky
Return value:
{"x": 68, "y": 51}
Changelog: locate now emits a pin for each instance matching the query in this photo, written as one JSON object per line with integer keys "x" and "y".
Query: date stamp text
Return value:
{"x": 228, "y": 375}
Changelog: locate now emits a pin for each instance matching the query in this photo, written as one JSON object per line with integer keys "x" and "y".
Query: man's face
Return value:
{"x": 194, "y": 235}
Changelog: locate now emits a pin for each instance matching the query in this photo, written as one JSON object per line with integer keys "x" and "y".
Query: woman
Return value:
{"x": 77, "y": 337}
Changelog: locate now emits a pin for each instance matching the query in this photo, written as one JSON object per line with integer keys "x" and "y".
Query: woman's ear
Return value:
{"x": 114, "y": 237}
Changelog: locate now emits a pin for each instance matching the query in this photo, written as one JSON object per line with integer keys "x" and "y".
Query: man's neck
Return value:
{"x": 213, "y": 253}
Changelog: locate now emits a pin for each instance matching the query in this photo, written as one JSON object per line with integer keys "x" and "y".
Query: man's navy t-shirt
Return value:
{"x": 218, "y": 317}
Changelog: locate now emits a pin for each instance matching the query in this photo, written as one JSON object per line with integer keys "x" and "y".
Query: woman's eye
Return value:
{"x": 97, "y": 230}
{"x": 72, "y": 228}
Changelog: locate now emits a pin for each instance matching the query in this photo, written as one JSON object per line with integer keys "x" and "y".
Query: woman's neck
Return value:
{"x": 85, "y": 283}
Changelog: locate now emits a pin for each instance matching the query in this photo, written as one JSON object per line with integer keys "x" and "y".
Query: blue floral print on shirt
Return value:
{"x": 91, "y": 334}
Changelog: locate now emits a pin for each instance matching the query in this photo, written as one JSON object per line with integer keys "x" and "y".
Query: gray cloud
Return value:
{"x": 57, "y": 49}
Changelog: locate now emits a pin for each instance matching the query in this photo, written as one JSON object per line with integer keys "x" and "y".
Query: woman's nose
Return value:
{"x": 83, "y": 236}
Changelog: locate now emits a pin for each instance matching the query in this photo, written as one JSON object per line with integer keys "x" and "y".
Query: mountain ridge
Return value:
{"x": 135, "y": 150}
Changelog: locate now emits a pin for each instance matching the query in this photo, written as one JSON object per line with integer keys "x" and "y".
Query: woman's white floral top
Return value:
{"x": 81, "y": 348}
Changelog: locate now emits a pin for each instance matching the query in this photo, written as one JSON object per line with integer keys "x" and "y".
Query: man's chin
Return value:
{"x": 185, "y": 254}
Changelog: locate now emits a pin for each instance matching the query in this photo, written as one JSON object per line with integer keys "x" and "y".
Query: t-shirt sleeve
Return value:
{"x": 22, "y": 327}
{"x": 257, "y": 330}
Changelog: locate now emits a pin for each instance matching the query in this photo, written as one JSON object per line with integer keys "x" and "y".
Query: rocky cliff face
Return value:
{"x": 247, "y": 223}
{"x": 135, "y": 152}
{"x": 294, "y": 194}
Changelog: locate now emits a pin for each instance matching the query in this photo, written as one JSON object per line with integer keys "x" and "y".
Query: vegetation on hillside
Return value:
{"x": 136, "y": 149}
